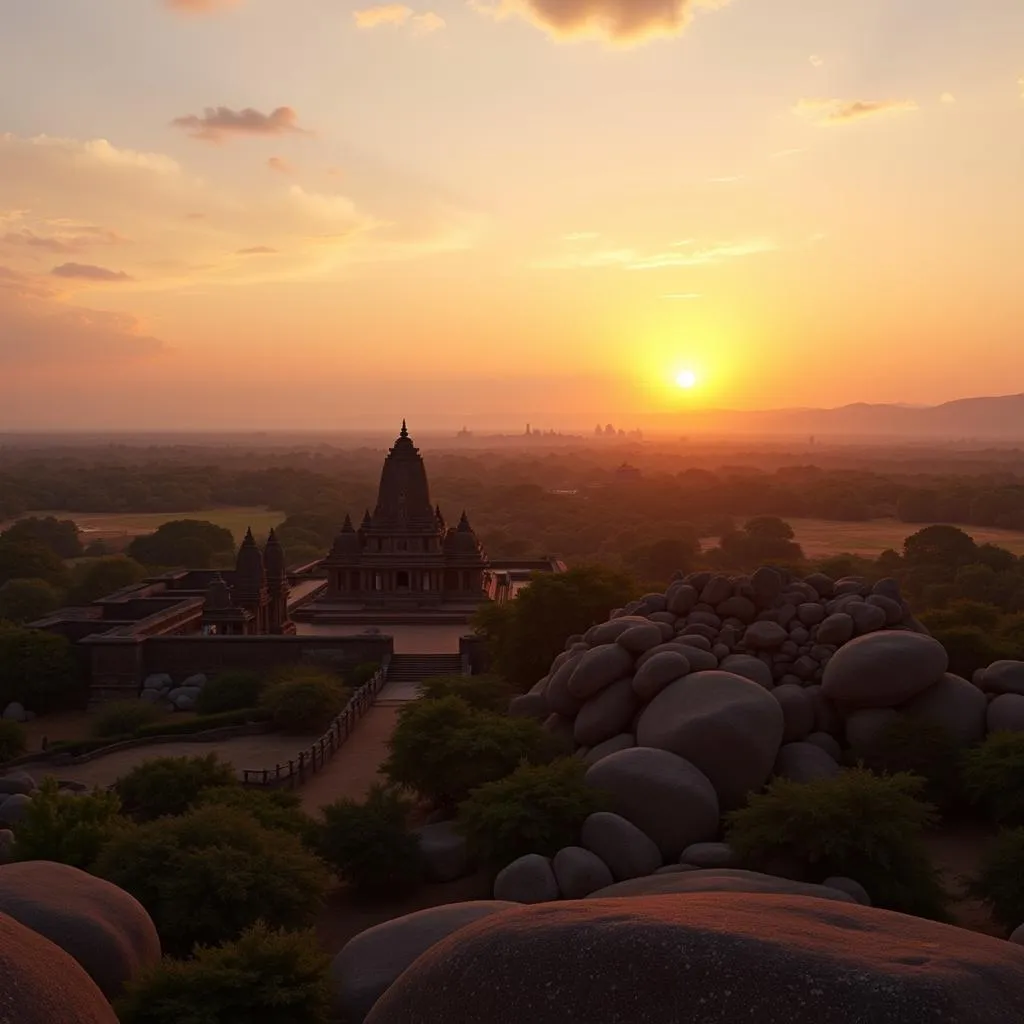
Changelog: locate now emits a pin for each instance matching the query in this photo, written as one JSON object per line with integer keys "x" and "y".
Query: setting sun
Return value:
{"x": 687, "y": 379}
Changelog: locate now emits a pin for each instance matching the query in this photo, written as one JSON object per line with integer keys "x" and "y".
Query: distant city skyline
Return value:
{"x": 225, "y": 214}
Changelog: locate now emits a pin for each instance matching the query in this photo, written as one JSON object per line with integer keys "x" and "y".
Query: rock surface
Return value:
{"x": 445, "y": 851}
{"x": 720, "y": 880}
{"x": 627, "y": 851}
{"x": 529, "y": 879}
{"x": 955, "y": 705}
{"x": 580, "y": 872}
{"x": 805, "y": 762}
{"x": 884, "y": 670}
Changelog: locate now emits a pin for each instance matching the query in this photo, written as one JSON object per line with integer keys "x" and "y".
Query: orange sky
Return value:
{"x": 329, "y": 213}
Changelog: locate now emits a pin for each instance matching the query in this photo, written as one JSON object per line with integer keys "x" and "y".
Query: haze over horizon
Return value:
{"x": 223, "y": 214}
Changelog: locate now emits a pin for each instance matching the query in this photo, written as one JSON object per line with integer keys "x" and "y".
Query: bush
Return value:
{"x": 483, "y": 693}
{"x": 12, "y": 740}
{"x": 443, "y": 749}
{"x": 970, "y": 648}
{"x": 67, "y": 828}
{"x": 189, "y": 726}
{"x": 1000, "y": 882}
{"x": 923, "y": 749}
{"x": 362, "y": 674}
{"x": 304, "y": 701}
{"x": 994, "y": 777}
{"x": 276, "y": 809}
{"x": 207, "y": 876}
{"x": 170, "y": 785}
{"x": 537, "y": 809}
{"x": 125, "y": 717}
{"x": 858, "y": 824}
{"x": 38, "y": 670}
{"x": 231, "y": 691}
{"x": 370, "y": 845}
{"x": 274, "y": 977}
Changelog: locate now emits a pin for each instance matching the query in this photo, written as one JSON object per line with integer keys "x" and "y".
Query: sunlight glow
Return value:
{"x": 686, "y": 379}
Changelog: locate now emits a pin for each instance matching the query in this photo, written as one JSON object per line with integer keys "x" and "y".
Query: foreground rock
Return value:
{"x": 710, "y": 959}
{"x": 721, "y": 880}
{"x": 41, "y": 984}
{"x": 884, "y": 670}
{"x": 104, "y": 928}
{"x": 371, "y": 962}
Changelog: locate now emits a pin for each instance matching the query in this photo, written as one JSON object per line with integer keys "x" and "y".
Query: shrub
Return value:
{"x": 37, "y": 669}
{"x": 276, "y": 809}
{"x": 443, "y": 749}
{"x": 1000, "y": 882}
{"x": 67, "y": 828}
{"x": 207, "y": 876}
{"x": 921, "y": 748}
{"x": 304, "y": 701}
{"x": 169, "y": 785}
{"x": 970, "y": 648}
{"x": 370, "y": 845}
{"x": 536, "y": 809}
{"x": 857, "y": 824}
{"x": 483, "y": 693}
{"x": 231, "y": 691}
{"x": 78, "y": 747}
{"x": 274, "y": 977}
{"x": 994, "y": 777}
{"x": 12, "y": 740}
{"x": 125, "y": 717}
{"x": 362, "y": 674}
{"x": 190, "y": 726}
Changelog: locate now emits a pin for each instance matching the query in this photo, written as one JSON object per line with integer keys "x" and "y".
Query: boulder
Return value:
{"x": 641, "y": 637}
{"x": 954, "y": 704}
{"x": 765, "y": 636}
{"x": 805, "y": 762}
{"x": 445, "y": 851}
{"x": 837, "y": 629}
{"x": 529, "y": 705}
{"x": 580, "y": 872}
{"x": 527, "y": 880}
{"x": 557, "y": 691}
{"x": 710, "y": 855}
{"x": 608, "y": 632}
{"x": 184, "y": 701}
{"x": 797, "y": 711}
{"x": 14, "y": 712}
{"x": 198, "y": 681}
{"x": 697, "y": 658}
{"x": 151, "y": 697}
{"x": 884, "y": 670}
{"x": 727, "y": 726}
{"x": 867, "y": 618}
{"x": 1018, "y": 936}
{"x": 864, "y": 727}
{"x": 826, "y": 714}
{"x": 738, "y": 607}
{"x": 697, "y": 640}
{"x": 368, "y": 964}
{"x": 157, "y": 681}
{"x": 13, "y": 808}
{"x": 1004, "y": 677}
{"x": 892, "y": 609}
{"x": 749, "y": 667}
{"x": 810, "y": 613}
{"x": 6, "y": 845}
{"x": 823, "y": 586}
{"x": 681, "y": 598}
{"x": 848, "y": 885}
{"x": 621, "y": 845}
{"x": 828, "y": 743}
{"x": 16, "y": 782}
{"x": 666, "y": 797}
{"x": 560, "y": 726}
{"x": 716, "y": 958}
{"x": 767, "y": 584}
{"x": 621, "y": 742}
{"x": 1004, "y": 714}
{"x": 716, "y": 590}
{"x": 107, "y": 931}
{"x": 656, "y": 673}
{"x": 608, "y": 714}
{"x": 600, "y": 667}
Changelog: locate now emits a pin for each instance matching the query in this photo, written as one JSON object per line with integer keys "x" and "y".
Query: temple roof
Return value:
{"x": 403, "y": 498}
{"x": 273, "y": 558}
{"x": 249, "y": 567}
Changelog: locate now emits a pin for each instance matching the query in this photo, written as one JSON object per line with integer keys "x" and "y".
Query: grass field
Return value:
{"x": 110, "y": 525}
{"x": 820, "y": 538}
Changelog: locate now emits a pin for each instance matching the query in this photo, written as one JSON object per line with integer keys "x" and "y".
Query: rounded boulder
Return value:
{"x": 1006, "y": 713}
{"x": 597, "y": 669}
{"x": 527, "y": 880}
{"x": 627, "y": 851}
{"x": 797, "y": 709}
{"x": 665, "y": 796}
{"x": 656, "y": 673}
{"x": 727, "y": 726}
{"x": 621, "y": 742}
{"x": 580, "y": 872}
{"x": 607, "y": 714}
{"x": 749, "y": 667}
{"x": 884, "y": 670}
{"x": 805, "y": 762}
{"x": 1003, "y": 677}
{"x": 955, "y": 705}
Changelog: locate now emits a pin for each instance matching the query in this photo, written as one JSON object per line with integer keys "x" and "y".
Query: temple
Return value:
{"x": 404, "y": 557}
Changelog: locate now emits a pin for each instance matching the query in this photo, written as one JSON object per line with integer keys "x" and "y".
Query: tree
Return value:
{"x": 12, "y": 740}
{"x": 30, "y": 560}
{"x": 940, "y": 545}
{"x": 92, "y": 580}
{"x": 24, "y": 601}
{"x": 192, "y": 543}
{"x": 369, "y": 844}
{"x": 482, "y": 692}
{"x": 170, "y": 785}
{"x": 59, "y": 535}
{"x": 38, "y": 671}
{"x": 1000, "y": 882}
{"x": 274, "y": 977}
{"x": 656, "y": 563}
{"x": 918, "y": 505}
{"x": 525, "y": 635}
{"x": 276, "y": 809}
{"x": 123, "y": 718}
{"x": 231, "y": 691}
{"x": 207, "y": 876}
{"x": 304, "y": 700}
{"x": 769, "y": 529}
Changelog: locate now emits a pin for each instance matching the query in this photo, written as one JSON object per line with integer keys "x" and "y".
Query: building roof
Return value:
{"x": 403, "y": 498}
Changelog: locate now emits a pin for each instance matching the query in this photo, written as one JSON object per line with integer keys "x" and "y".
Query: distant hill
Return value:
{"x": 996, "y": 418}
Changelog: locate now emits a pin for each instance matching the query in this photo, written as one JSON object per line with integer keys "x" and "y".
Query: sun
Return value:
{"x": 686, "y": 379}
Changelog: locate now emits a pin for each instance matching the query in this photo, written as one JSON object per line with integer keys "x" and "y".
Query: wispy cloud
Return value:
{"x": 727, "y": 179}
{"x": 679, "y": 254}
{"x": 219, "y": 123}
{"x": 257, "y": 250}
{"x": 397, "y": 15}
{"x": 816, "y": 61}
{"x": 18, "y": 228}
{"x": 947, "y": 97}
{"x": 829, "y": 113}
{"x": 280, "y": 165}
{"x": 89, "y": 272}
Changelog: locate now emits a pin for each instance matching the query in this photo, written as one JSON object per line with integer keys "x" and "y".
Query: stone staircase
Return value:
{"x": 407, "y": 671}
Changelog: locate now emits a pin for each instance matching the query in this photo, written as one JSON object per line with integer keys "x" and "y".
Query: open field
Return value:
{"x": 820, "y": 538}
{"x": 110, "y": 525}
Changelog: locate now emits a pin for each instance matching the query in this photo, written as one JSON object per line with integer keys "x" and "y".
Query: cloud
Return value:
{"x": 218, "y": 123}
{"x": 679, "y": 254}
{"x": 947, "y": 97}
{"x": 397, "y": 15}
{"x": 615, "y": 21}
{"x": 18, "y": 228}
{"x": 279, "y": 164}
{"x": 199, "y": 6}
{"x": 816, "y": 61}
{"x": 829, "y": 113}
{"x": 89, "y": 272}
{"x": 1020, "y": 84}
{"x": 257, "y": 250}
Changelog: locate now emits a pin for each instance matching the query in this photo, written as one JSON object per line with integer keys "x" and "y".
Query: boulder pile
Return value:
{"x": 160, "y": 689}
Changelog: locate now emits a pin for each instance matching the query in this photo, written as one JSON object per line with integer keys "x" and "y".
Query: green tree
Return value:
{"x": 525, "y": 635}
{"x": 170, "y": 785}
{"x": 941, "y": 545}
{"x": 37, "y": 670}
{"x": 369, "y": 844}
{"x": 208, "y": 875}
{"x": 1000, "y": 881}
{"x": 656, "y": 563}
{"x": 124, "y": 717}
{"x": 994, "y": 777}
{"x": 304, "y": 700}
{"x": 275, "y": 809}
{"x": 59, "y": 535}
{"x": 92, "y": 580}
{"x": 30, "y": 560}
{"x": 483, "y": 692}
{"x": 192, "y": 543}
{"x": 231, "y": 691}
{"x": 274, "y": 977}
{"x": 24, "y": 601}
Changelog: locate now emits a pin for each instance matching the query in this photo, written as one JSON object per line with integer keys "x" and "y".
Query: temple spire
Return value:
{"x": 405, "y": 430}
{"x": 347, "y": 526}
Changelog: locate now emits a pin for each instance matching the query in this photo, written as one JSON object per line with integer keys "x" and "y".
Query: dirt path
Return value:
{"x": 354, "y": 769}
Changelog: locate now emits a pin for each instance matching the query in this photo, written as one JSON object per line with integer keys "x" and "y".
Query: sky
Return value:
{"x": 329, "y": 214}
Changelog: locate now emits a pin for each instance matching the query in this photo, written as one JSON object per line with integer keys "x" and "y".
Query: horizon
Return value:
{"x": 687, "y": 209}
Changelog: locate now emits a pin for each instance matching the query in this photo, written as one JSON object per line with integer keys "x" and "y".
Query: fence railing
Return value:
{"x": 308, "y": 762}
